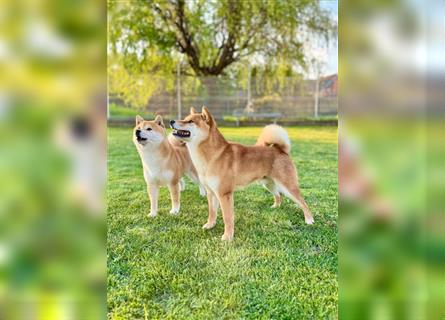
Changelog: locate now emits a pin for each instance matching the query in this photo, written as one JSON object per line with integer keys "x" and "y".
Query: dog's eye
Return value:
{"x": 190, "y": 121}
{"x": 148, "y": 129}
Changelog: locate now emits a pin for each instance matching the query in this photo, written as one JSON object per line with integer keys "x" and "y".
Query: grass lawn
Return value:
{"x": 276, "y": 268}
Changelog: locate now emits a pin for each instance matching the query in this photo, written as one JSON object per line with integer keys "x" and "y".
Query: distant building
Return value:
{"x": 328, "y": 86}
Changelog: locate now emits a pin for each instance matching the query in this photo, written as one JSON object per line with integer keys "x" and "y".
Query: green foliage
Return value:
{"x": 276, "y": 268}
{"x": 137, "y": 85}
{"x": 231, "y": 118}
{"x": 148, "y": 39}
{"x": 117, "y": 111}
{"x": 213, "y": 35}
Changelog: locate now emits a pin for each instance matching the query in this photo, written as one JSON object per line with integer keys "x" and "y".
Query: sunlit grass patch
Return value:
{"x": 277, "y": 267}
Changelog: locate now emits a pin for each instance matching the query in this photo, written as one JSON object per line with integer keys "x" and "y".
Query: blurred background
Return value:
{"x": 53, "y": 113}
{"x": 391, "y": 151}
{"x": 52, "y": 159}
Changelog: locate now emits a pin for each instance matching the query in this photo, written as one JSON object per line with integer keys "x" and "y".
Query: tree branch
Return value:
{"x": 189, "y": 49}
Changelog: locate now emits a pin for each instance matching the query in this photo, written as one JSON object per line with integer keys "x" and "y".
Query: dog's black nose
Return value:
{"x": 138, "y": 133}
{"x": 172, "y": 122}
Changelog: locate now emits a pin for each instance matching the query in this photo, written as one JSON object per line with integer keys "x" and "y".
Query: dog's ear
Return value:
{"x": 159, "y": 120}
{"x": 139, "y": 119}
{"x": 193, "y": 110}
{"x": 206, "y": 116}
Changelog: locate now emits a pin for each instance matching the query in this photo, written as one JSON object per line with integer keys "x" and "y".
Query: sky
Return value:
{"x": 332, "y": 52}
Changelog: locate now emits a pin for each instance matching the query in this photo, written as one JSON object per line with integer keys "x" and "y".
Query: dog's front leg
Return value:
{"x": 213, "y": 203}
{"x": 153, "y": 193}
{"x": 226, "y": 201}
{"x": 175, "y": 194}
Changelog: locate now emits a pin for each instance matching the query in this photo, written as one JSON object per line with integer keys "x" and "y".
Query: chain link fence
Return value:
{"x": 233, "y": 100}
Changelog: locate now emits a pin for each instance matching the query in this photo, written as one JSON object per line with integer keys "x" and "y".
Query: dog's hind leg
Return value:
{"x": 175, "y": 194}
{"x": 182, "y": 184}
{"x": 272, "y": 188}
{"x": 226, "y": 201}
{"x": 202, "y": 190}
{"x": 194, "y": 177}
{"x": 288, "y": 185}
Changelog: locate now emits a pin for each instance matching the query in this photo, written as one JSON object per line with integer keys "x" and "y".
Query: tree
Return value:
{"x": 213, "y": 35}
{"x": 136, "y": 87}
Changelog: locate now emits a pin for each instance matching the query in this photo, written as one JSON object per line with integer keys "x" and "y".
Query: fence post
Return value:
{"x": 317, "y": 84}
{"x": 249, "y": 94}
{"x": 179, "y": 90}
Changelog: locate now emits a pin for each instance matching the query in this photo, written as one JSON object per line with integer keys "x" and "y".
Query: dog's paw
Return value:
{"x": 152, "y": 214}
{"x": 208, "y": 225}
{"x": 309, "y": 220}
{"x": 227, "y": 237}
{"x": 174, "y": 211}
{"x": 202, "y": 192}
{"x": 275, "y": 206}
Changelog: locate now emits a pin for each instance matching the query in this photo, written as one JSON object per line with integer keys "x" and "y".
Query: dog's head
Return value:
{"x": 149, "y": 132}
{"x": 195, "y": 127}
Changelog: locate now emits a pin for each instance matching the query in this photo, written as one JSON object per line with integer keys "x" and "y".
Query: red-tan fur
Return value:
{"x": 165, "y": 161}
{"x": 222, "y": 166}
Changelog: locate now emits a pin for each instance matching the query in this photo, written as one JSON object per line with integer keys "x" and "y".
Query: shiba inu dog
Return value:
{"x": 165, "y": 161}
{"x": 222, "y": 166}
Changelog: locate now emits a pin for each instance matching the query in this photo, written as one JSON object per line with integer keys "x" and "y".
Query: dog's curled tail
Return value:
{"x": 274, "y": 135}
{"x": 175, "y": 142}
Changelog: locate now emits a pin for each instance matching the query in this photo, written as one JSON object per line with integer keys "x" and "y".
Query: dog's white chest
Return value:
{"x": 197, "y": 160}
{"x": 212, "y": 182}
{"x": 199, "y": 164}
{"x": 165, "y": 176}
{"x": 158, "y": 175}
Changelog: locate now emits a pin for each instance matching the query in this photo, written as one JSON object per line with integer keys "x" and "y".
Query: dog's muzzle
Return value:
{"x": 138, "y": 136}
{"x": 178, "y": 132}
{"x": 181, "y": 133}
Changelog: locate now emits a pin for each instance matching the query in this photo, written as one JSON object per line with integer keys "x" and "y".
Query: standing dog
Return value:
{"x": 165, "y": 161}
{"x": 223, "y": 165}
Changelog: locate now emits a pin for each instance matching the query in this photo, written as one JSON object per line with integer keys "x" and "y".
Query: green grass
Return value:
{"x": 276, "y": 268}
